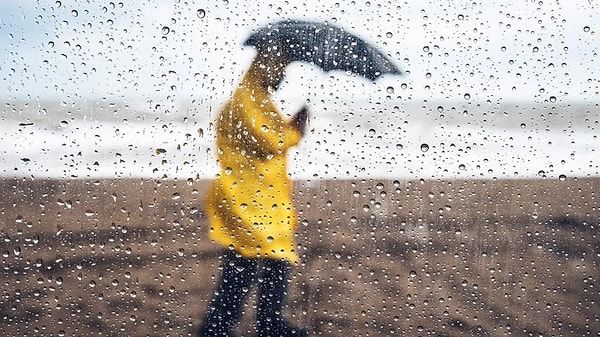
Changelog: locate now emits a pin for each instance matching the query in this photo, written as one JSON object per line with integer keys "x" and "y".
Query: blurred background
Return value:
{"x": 130, "y": 89}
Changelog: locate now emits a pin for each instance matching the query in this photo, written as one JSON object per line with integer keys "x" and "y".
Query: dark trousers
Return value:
{"x": 237, "y": 276}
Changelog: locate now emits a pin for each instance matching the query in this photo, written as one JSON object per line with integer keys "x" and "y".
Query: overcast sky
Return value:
{"x": 184, "y": 50}
{"x": 155, "y": 61}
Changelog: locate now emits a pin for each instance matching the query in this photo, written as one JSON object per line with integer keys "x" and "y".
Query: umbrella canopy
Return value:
{"x": 325, "y": 45}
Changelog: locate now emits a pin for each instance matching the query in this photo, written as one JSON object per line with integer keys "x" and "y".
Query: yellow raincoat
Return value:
{"x": 249, "y": 205}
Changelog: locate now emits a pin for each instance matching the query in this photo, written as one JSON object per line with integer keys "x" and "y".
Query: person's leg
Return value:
{"x": 225, "y": 309}
{"x": 272, "y": 292}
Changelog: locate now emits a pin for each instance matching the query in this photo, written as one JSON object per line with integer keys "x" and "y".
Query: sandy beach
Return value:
{"x": 379, "y": 258}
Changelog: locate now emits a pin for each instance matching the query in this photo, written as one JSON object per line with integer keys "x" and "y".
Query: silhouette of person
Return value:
{"x": 249, "y": 205}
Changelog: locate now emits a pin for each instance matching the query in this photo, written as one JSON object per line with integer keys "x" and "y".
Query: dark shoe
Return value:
{"x": 215, "y": 331}
{"x": 280, "y": 329}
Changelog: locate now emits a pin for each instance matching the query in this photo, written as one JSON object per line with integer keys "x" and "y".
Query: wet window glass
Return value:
{"x": 361, "y": 168}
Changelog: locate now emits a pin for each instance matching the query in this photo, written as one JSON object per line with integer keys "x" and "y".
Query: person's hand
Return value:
{"x": 299, "y": 121}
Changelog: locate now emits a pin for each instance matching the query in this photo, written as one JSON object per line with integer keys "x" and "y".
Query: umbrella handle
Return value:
{"x": 300, "y": 120}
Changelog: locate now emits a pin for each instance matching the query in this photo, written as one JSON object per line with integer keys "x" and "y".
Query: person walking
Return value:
{"x": 249, "y": 205}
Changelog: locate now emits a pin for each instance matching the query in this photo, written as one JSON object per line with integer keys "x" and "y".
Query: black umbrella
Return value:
{"x": 325, "y": 45}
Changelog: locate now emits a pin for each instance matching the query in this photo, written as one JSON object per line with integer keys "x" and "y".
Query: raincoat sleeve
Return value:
{"x": 265, "y": 124}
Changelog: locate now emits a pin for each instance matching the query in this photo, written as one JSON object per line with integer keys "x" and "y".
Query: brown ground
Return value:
{"x": 380, "y": 258}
